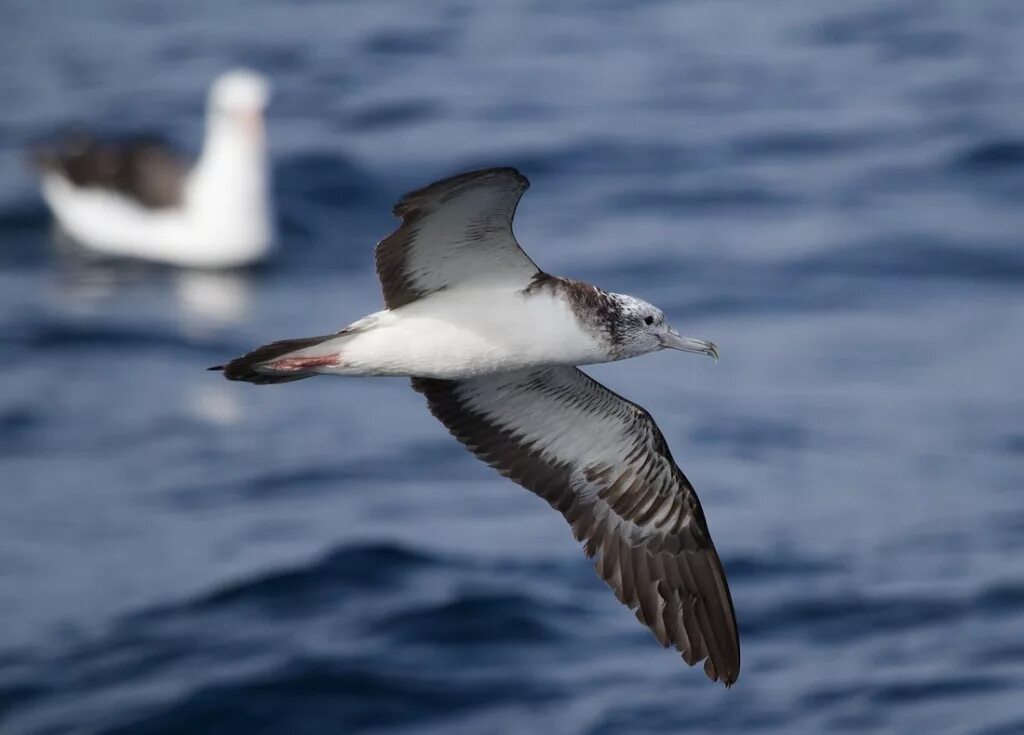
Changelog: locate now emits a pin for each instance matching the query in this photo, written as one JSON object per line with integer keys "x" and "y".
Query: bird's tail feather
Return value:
{"x": 274, "y": 363}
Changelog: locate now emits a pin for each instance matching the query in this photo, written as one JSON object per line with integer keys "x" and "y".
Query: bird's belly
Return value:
{"x": 484, "y": 338}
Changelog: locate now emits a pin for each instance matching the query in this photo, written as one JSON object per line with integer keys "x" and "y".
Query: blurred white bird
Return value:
{"x": 137, "y": 198}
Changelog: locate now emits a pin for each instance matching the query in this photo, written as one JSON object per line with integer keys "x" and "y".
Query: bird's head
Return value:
{"x": 237, "y": 101}
{"x": 641, "y": 327}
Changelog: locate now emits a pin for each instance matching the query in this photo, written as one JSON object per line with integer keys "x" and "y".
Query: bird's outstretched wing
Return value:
{"x": 453, "y": 232}
{"x": 603, "y": 462}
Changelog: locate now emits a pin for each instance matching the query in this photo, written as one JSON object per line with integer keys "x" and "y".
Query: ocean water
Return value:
{"x": 830, "y": 191}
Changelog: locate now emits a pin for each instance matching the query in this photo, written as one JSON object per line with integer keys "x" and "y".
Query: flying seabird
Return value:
{"x": 138, "y": 198}
{"x": 493, "y": 342}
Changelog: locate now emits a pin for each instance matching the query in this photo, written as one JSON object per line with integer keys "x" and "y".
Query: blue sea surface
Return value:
{"x": 832, "y": 192}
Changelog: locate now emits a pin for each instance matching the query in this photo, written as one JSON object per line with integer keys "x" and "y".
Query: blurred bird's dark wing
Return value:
{"x": 143, "y": 169}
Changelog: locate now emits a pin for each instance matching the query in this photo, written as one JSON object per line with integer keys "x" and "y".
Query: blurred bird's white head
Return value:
{"x": 239, "y": 98}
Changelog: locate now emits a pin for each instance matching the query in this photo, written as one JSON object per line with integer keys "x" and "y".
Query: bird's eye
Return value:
{"x": 648, "y": 320}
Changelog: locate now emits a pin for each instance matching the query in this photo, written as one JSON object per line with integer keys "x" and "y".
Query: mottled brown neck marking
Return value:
{"x": 597, "y": 311}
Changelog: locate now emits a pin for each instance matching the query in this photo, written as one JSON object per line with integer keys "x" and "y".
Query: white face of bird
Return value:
{"x": 643, "y": 328}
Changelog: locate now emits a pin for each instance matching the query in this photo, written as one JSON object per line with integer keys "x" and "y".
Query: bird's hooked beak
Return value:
{"x": 675, "y": 341}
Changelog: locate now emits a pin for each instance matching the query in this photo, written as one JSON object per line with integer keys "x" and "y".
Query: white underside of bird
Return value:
{"x": 456, "y": 334}
{"x": 190, "y": 236}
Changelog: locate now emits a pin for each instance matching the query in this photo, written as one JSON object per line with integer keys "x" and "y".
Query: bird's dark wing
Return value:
{"x": 603, "y": 462}
{"x": 454, "y": 232}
